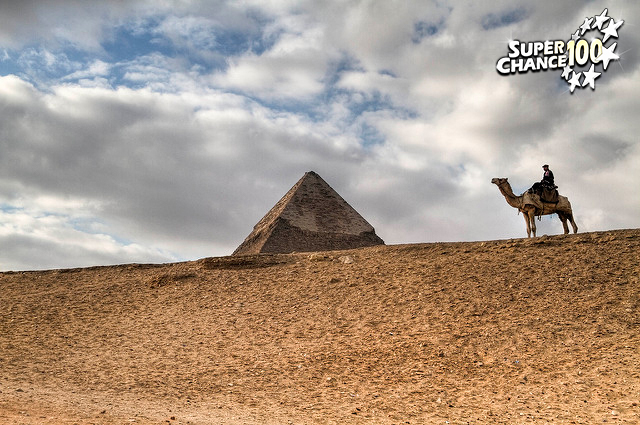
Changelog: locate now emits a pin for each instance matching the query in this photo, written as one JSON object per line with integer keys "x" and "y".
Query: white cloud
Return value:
{"x": 97, "y": 68}
{"x": 198, "y": 32}
{"x": 32, "y": 239}
{"x": 292, "y": 69}
{"x": 38, "y": 63}
{"x": 372, "y": 82}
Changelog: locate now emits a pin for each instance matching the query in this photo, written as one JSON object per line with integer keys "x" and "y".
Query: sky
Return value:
{"x": 159, "y": 131}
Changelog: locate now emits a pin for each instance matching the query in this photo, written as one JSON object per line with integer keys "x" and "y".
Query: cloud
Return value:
{"x": 31, "y": 239}
{"x": 97, "y": 68}
{"x": 58, "y": 21}
{"x": 293, "y": 68}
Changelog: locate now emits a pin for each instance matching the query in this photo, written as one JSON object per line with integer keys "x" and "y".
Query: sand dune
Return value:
{"x": 544, "y": 330}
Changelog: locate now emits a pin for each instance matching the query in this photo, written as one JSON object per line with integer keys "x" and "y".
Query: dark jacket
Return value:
{"x": 547, "y": 178}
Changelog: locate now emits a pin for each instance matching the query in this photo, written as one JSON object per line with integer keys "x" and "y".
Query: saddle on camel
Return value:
{"x": 546, "y": 188}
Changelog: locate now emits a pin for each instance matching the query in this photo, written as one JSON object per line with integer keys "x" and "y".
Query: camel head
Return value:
{"x": 499, "y": 180}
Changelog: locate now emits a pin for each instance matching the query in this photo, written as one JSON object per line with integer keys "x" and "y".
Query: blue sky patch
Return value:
{"x": 370, "y": 135}
{"x": 422, "y": 30}
{"x": 128, "y": 43}
{"x": 498, "y": 20}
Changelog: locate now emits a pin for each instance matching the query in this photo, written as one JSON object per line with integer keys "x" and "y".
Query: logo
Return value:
{"x": 578, "y": 57}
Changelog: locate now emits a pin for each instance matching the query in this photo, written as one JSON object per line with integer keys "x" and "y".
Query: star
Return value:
{"x": 586, "y": 25}
{"x": 611, "y": 30}
{"x": 574, "y": 81}
{"x": 601, "y": 19}
{"x": 590, "y": 77}
{"x": 576, "y": 35}
{"x": 608, "y": 55}
{"x": 565, "y": 72}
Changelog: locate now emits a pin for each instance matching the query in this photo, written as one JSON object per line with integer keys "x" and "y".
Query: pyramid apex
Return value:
{"x": 311, "y": 216}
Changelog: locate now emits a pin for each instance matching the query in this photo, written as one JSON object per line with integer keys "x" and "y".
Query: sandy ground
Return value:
{"x": 545, "y": 330}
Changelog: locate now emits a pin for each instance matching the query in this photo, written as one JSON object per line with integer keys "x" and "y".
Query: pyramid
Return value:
{"x": 311, "y": 216}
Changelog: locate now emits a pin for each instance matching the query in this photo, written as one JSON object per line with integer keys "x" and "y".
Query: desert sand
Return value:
{"x": 543, "y": 330}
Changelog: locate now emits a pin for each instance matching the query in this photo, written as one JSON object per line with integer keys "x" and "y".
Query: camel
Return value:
{"x": 531, "y": 206}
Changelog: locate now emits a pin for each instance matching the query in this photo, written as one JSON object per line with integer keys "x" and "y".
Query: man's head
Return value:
{"x": 545, "y": 167}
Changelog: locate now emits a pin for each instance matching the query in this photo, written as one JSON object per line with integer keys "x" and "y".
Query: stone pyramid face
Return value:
{"x": 311, "y": 216}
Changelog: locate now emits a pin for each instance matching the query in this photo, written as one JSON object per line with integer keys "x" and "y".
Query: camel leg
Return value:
{"x": 573, "y": 223}
{"x": 563, "y": 219}
{"x": 532, "y": 219}
{"x": 526, "y": 221}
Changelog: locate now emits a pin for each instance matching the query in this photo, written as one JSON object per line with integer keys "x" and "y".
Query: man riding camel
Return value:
{"x": 546, "y": 188}
{"x": 547, "y": 178}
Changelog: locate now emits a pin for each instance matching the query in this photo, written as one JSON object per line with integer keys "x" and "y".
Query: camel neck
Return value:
{"x": 507, "y": 192}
